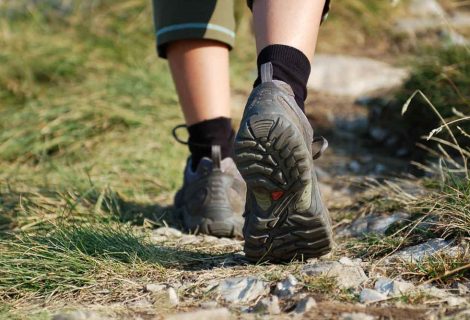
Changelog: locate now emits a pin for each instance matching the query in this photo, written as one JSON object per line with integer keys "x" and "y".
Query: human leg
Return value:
{"x": 195, "y": 37}
{"x": 285, "y": 218}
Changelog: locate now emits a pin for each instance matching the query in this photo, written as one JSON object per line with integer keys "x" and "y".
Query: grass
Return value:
{"x": 440, "y": 208}
{"x": 87, "y": 159}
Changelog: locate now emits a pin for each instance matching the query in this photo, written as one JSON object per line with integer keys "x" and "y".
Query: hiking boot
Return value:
{"x": 285, "y": 217}
{"x": 212, "y": 198}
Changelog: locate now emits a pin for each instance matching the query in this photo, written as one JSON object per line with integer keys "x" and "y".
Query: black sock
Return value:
{"x": 203, "y": 135}
{"x": 289, "y": 65}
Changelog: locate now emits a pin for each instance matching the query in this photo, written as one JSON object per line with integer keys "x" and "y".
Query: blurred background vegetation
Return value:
{"x": 86, "y": 109}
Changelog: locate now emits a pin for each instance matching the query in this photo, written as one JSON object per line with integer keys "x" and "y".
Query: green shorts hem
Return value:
{"x": 188, "y": 31}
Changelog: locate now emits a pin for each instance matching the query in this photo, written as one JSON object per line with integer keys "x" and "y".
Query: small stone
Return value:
{"x": 347, "y": 262}
{"x": 393, "y": 287}
{"x": 378, "y": 134}
{"x": 418, "y": 252}
{"x": 401, "y": 287}
{"x": 167, "y": 232}
{"x": 212, "y": 314}
{"x": 304, "y": 305}
{"x": 384, "y": 285}
{"x": 370, "y": 295}
{"x": 208, "y": 305}
{"x": 380, "y": 224}
{"x": 456, "y": 301}
{"x": 463, "y": 289}
{"x": 356, "y": 316}
{"x": 173, "y": 297}
{"x": 242, "y": 289}
{"x": 346, "y": 276}
{"x": 154, "y": 287}
{"x": 78, "y": 315}
{"x": 286, "y": 288}
{"x": 268, "y": 305}
{"x": 354, "y": 166}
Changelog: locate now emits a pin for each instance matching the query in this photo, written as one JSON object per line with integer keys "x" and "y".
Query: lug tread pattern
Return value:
{"x": 271, "y": 154}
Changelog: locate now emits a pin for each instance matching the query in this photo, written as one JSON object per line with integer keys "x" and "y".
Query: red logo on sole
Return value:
{"x": 276, "y": 195}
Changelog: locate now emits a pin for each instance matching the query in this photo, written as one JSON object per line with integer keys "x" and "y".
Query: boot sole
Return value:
{"x": 276, "y": 164}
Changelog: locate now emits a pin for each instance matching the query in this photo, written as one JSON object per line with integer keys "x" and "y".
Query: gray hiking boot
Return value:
{"x": 285, "y": 218}
{"x": 212, "y": 198}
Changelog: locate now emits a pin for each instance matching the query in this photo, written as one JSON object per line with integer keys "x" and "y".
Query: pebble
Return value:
{"x": 242, "y": 289}
{"x": 418, "y": 252}
{"x": 304, "y": 305}
{"x": 377, "y": 224}
{"x": 286, "y": 288}
{"x": 456, "y": 301}
{"x": 154, "y": 287}
{"x": 212, "y": 314}
{"x": 370, "y": 295}
{"x": 269, "y": 305}
{"x": 167, "y": 232}
{"x": 173, "y": 297}
{"x": 209, "y": 304}
{"x": 391, "y": 287}
{"x": 347, "y": 276}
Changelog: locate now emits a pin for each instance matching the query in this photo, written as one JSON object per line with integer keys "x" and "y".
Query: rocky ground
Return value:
{"x": 223, "y": 285}
{"x": 218, "y": 283}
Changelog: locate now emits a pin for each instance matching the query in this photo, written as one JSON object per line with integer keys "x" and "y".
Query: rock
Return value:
{"x": 380, "y": 224}
{"x": 354, "y": 166}
{"x": 393, "y": 287}
{"x": 456, "y": 301}
{"x": 419, "y": 252}
{"x": 78, "y": 315}
{"x": 348, "y": 262}
{"x": 347, "y": 276}
{"x": 268, "y": 305}
{"x": 356, "y": 316}
{"x": 167, "y": 232}
{"x": 352, "y": 76}
{"x": 286, "y": 288}
{"x": 304, "y": 305}
{"x": 242, "y": 289}
{"x": 378, "y": 134}
{"x": 372, "y": 224}
{"x": 426, "y": 8}
{"x": 371, "y": 295}
{"x": 463, "y": 288}
{"x": 209, "y": 305}
{"x": 213, "y": 314}
{"x": 173, "y": 297}
{"x": 155, "y": 287}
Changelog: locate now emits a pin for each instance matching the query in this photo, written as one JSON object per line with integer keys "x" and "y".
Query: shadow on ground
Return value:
{"x": 98, "y": 225}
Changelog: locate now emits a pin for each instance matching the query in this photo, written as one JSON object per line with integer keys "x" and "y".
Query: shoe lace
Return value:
{"x": 216, "y": 151}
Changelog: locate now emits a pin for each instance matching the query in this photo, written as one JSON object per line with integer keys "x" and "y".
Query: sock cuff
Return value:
{"x": 209, "y": 127}
{"x": 288, "y": 55}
